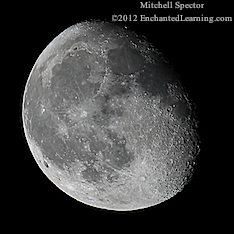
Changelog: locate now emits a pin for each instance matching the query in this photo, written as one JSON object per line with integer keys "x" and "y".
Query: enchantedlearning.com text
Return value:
{"x": 169, "y": 18}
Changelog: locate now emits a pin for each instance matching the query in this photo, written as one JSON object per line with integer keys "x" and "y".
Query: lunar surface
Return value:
{"x": 107, "y": 119}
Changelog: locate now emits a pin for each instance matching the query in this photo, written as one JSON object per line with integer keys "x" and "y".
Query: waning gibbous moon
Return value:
{"x": 107, "y": 119}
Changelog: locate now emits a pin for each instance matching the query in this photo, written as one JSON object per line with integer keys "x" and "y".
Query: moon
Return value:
{"x": 108, "y": 120}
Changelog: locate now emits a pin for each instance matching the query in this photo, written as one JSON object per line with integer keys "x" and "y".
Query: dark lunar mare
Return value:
{"x": 125, "y": 60}
{"x": 153, "y": 77}
{"x": 66, "y": 85}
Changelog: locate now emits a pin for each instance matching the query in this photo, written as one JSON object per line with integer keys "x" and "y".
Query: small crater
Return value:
{"x": 46, "y": 164}
{"x": 75, "y": 48}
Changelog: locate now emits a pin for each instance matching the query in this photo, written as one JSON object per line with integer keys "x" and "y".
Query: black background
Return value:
{"x": 200, "y": 51}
